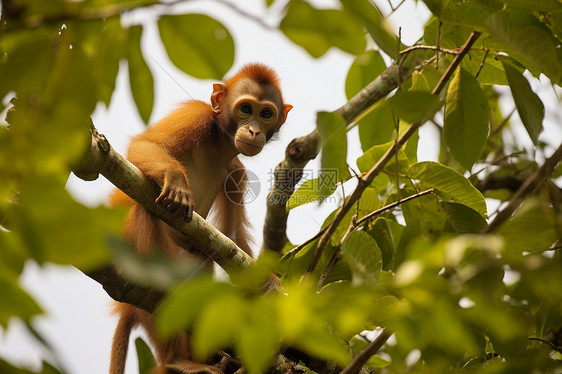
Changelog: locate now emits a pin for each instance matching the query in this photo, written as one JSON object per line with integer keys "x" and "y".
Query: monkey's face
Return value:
{"x": 255, "y": 119}
{"x": 251, "y": 112}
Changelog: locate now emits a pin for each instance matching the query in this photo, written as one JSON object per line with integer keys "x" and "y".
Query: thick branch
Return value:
{"x": 102, "y": 159}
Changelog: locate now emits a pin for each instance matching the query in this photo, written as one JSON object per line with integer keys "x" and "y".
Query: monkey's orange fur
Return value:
{"x": 189, "y": 153}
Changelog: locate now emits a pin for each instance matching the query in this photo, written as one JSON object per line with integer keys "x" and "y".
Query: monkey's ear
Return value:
{"x": 217, "y": 96}
{"x": 286, "y": 110}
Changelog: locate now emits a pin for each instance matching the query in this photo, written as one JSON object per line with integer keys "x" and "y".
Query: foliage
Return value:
{"x": 460, "y": 297}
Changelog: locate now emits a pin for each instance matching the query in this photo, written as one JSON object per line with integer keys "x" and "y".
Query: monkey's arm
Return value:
{"x": 153, "y": 159}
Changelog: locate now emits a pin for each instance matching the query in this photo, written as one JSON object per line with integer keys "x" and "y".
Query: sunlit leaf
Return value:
{"x": 140, "y": 77}
{"x": 197, "y": 44}
{"x": 313, "y": 190}
{"x": 529, "y": 106}
{"x": 368, "y": 159}
{"x": 376, "y": 362}
{"x": 179, "y": 310}
{"x": 316, "y": 30}
{"x": 331, "y": 127}
{"x": 446, "y": 180}
{"x": 215, "y": 329}
{"x": 259, "y": 340}
{"x": 467, "y": 115}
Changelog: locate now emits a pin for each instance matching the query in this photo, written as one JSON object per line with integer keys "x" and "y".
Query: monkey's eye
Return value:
{"x": 246, "y": 108}
{"x": 266, "y": 113}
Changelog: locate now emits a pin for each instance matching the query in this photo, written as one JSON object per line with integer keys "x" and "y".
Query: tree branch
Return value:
{"x": 367, "y": 179}
{"x": 358, "y": 361}
{"x": 303, "y": 149}
{"x": 534, "y": 182}
{"x": 102, "y": 159}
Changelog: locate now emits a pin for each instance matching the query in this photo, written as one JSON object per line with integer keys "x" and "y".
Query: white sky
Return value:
{"x": 77, "y": 321}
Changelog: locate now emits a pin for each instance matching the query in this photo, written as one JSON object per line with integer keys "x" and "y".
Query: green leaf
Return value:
{"x": 535, "y": 5}
{"x": 154, "y": 270}
{"x": 529, "y": 106}
{"x": 377, "y": 26}
{"x": 463, "y": 219}
{"x": 556, "y": 23}
{"x": 369, "y": 159}
{"x": 467, "y": 115}
{"x": 313, "y": 190}
{"x": 14, "y": 300}
{"x": 144, "y": 356}
{"x": 197, "y": 44}
{"x": 380, "y": 231}
{"x": 331, "y": 128}
{"x": 376, "y": 126}
{"x": 215, "y": 329}
{"x": 185, "y": 302}
{"x": 532, "y": 229}
{"x": 453, "y": 184}
{"x": 104, "y": 44}
{"x": 140, "y": 77}
{"x": 528, "y": 36}
{"x": 364, "y": 69}
{"x": 415, "y": 106}
{"x": 316, "y": 30}
{"x": 62, "y": 230}
{"x": 468, "y": 13}
{"x": 259, "y": 340}
{"x": 376, "y": 362}
{"x": 363, "y": 256}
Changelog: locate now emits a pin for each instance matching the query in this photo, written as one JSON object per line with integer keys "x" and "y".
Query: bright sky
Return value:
{"x": 77, "y": 322}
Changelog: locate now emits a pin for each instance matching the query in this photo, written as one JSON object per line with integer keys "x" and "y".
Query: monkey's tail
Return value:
{"x": 121, "y": 341}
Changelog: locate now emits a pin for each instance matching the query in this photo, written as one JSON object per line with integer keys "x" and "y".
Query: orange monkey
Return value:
{"x": 189, "y": 154}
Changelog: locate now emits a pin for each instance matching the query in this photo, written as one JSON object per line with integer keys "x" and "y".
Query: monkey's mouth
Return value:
{"x": 250, "y": 144}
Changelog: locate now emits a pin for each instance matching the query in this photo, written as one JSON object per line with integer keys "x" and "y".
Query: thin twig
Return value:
{"x": 333, "y": 261}
{"x": 338, "y": 253}
{"x": 438, "y": 44}
{"x": 298, "y": 248}
{"x": 393, "y": 205}
{"x": 358, "y": 361}
{"x": 535, "y": 181}
{"x": 482, "y": 64}
{"x": 552, "y": 345}
{"x": 430, "y": 47}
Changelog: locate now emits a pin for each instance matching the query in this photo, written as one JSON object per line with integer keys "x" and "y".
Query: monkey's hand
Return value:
{"x": 176, "y": 195}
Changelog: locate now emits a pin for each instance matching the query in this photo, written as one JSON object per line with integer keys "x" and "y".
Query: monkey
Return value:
{"x": 189, "y": 154}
